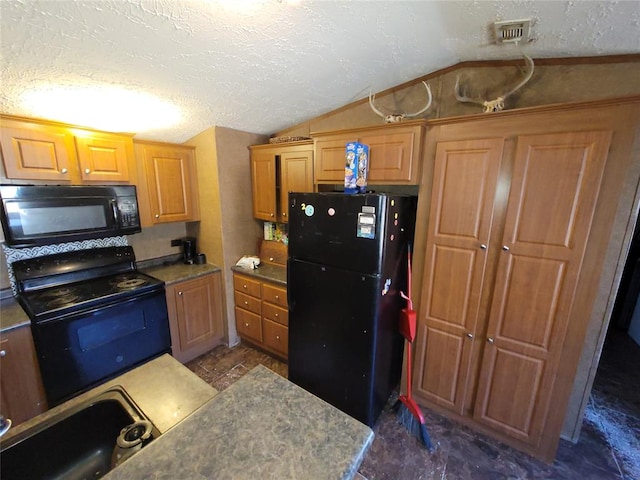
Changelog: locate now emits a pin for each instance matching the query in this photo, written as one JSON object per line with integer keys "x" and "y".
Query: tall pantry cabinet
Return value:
{"x": 511, "y": 205}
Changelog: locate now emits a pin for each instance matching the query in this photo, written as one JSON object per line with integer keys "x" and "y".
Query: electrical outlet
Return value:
{"x": 176, "y": 243}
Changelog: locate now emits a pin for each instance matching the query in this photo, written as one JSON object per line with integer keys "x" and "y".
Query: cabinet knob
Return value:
{"x": 86, "y": 170}
{"x": 3, "y": 353}
{"x": 277, "y": 337}
{"x": 277, "y": 315}
{"x": 246, "y": 324}
{"x": 271, "y": 259}
{"x": 469, "y": 335}
{"x": 246, "y": 303}
{"x": 483, "y": 246}
{"x": 490, "y": 340}
{"x": 271, "y": 215}
{"x": 64, "y": 170}
{"x": 157, "y": 215}
{"x": 244, "y": 286}
{"x": 277, "y": 297}
{"x": 284, "y": 214}
{"x": 180, "y": 293}
{"x": 505, "y": 248}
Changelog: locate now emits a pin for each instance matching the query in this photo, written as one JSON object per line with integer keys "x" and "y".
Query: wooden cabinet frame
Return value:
{"x": 559, "y": 347}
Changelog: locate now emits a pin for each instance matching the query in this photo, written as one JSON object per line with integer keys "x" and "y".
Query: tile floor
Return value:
{"x": 609, "y": 445}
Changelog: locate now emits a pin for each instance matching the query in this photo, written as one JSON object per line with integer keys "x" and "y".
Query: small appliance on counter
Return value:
{"x": 189, "y": 250}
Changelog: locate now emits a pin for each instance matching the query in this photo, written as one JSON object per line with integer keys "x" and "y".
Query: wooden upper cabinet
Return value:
{"x": 277, "y": 170}
{"x": 395, "y": 153}
{"x": 37, "y": 150}
{"x": 104, "y": 157}
{"x": 263, "y": 184}
{"x": 296, "y": 175}
{"x": 168, "y": 185}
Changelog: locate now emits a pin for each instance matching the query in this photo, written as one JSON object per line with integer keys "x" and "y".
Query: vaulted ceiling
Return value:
{"x": 262, "y": 65}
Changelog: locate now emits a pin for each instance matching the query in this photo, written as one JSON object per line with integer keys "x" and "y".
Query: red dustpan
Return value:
{"x": 409, "y": 413}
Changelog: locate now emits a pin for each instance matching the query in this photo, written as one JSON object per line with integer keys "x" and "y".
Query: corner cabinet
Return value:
{"x": 195, "y": 316}
{"x": 395, "y": 153}
{"x": 277, "y": 170}
{"x": 262, "y": 315}
{"x": 21, "y": 388}
{"x": 168, "y": 183}
{"x": 46, "y": 151}
{"x": 511, "y": 231}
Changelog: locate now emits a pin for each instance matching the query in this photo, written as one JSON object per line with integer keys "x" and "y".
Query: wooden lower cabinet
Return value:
{"x": 262, "y": 315}
{"x": 21, "y": 389}
{"x": 195, "y": 316}
{"x": 510, "y": 220}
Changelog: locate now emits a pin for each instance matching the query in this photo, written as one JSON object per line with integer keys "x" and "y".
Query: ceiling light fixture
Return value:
{"x": 108, "y": 108}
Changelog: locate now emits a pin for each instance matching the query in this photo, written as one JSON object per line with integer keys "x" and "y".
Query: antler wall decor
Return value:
{"x": 497, "y": 104}
{"x": 398, "y": 117}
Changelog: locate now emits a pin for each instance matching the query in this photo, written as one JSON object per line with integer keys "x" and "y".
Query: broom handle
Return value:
{"x": 410, "y": 305}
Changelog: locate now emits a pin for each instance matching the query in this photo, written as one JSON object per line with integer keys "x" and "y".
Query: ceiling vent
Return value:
{"x": 512, "y": 31}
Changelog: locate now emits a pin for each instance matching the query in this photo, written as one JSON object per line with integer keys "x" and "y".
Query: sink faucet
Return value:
{"x": 5, "y": 425}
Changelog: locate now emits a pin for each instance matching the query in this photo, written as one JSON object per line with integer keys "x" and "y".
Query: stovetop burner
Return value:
{"x": 88, "y": 284}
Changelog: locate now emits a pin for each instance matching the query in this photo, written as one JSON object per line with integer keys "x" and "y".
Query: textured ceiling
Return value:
{"x": 282, "y": 63}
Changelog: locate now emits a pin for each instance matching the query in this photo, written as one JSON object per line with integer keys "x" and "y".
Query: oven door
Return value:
{"x": 82, "y": 350}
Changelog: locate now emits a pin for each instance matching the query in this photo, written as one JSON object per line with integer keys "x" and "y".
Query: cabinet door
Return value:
{"x": 330, "y": 159}
{"x": 196, "y": 326}
{"x": 460, "y": 220}
{"x": 104, "y": 158}
{"x": 296, "y": 175}
{"x": 21, "y": 385}
{"x": 263, "y": 184}
{"x": 37, "y": 153}
{"x": 394, "y": 155}
{"x": 553, "y": 195}
{"x": 171, "y": 183}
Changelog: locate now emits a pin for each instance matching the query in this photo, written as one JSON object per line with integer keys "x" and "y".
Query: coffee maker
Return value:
{"x": 189, "y": 250}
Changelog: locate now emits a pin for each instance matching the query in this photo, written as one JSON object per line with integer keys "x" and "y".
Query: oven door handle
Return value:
{"x": 114, "y": 210}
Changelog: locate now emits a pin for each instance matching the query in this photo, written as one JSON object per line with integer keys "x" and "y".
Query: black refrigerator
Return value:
{"x": 346, "y": 268}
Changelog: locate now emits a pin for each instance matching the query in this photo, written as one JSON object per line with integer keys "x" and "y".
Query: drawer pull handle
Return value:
{"x": 244, "y": 286}
{"x": 246, "y": 303}
{"x": 277, "y": 315}
{"x": 277, "y": 297}
{"x": 246, "y": 324}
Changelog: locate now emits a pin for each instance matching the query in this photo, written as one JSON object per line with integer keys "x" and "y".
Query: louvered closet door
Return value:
{"x": 553, "y": 195}
{"x": 464, "y": 187}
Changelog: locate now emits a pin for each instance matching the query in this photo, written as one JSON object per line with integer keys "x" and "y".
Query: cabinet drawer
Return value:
{"x": 276, "y": 336}
{"x": 276, "y": 314}
{"x": 274, "y": 295}
{"x": 247, "y": 302}
{"x": 246, "y": 285}
{"x": 248, "y": 324}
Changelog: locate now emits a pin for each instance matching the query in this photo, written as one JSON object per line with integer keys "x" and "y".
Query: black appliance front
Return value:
{"x": 46, "y": 214}
{"x": 343, "y": 348}
{"x": 347, "y": 266}
{"x": 79, "y": 351}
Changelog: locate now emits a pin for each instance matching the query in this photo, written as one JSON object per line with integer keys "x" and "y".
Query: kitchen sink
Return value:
{"x": 85, "y": 441}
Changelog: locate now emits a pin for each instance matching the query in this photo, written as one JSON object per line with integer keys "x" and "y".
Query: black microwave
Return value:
{"x": 47, "y": 214}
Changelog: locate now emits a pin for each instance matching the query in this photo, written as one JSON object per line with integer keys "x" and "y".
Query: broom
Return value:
{"x": 408, "y": 411}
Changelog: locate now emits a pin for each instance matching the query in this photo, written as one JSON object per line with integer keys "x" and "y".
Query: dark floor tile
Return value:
{"x": 461, "y": 453}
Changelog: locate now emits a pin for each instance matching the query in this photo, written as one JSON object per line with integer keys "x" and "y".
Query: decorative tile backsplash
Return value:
{"x": 15, "y": 254}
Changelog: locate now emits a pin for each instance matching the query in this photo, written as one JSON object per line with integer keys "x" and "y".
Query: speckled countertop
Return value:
{"x": 177, "y": 272}
{"x": 164, "y": 389}
{"x": 263, "y": 426}
{"x": 266, "y": 271}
